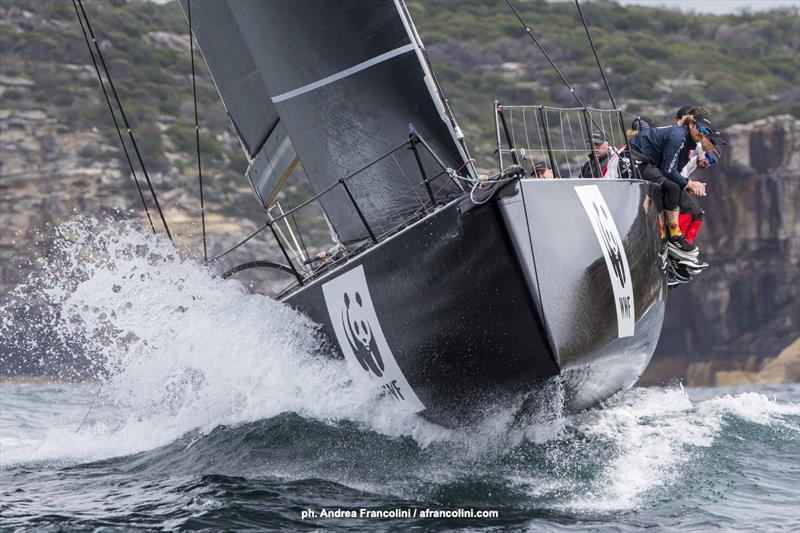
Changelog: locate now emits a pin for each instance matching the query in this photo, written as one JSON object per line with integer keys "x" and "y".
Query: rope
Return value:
{"x": 197, "y": 133}
{"x": 114, "y": 118}
{"x": 491, "y": 183}
{"x": 124, "y": 118}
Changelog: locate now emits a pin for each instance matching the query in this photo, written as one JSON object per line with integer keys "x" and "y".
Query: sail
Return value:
{"x": 347, "y": 79}
{"x": 245, "y": 96}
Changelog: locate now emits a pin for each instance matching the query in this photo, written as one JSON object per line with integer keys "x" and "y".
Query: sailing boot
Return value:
{"x": 694, "y": 266}
{"x": 682, "y": 274}
{"x": 664, "y": 255}
{"x": 677, "y": 273}
{"x": 680, "y": 248}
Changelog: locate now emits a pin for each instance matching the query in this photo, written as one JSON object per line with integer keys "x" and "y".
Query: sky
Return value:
{"x": 715, "y": 6}
{"x": 700, "y": 6}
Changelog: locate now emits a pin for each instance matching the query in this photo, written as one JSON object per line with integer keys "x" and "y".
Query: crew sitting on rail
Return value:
{"x": 705, "y": 154}
{"x": 542, "y": 171}
{"x": 660, "y": 154}
{"x": 691, "y": 217}
{"x": 598, "y": 158}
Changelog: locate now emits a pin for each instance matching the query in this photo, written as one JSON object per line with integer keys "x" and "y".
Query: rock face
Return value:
{"x": 59, "y": 155}
{"x": 45, "y": 175}
{"x": 733, "y": 322}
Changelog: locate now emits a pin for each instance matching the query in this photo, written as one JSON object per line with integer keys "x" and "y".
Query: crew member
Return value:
{"x": 542, "y": 171}
{"x": 639, "y": 124}
{"x": 598, "y": 157}
{"x": 661, "y": 153}
{"x": 705, "y": 154}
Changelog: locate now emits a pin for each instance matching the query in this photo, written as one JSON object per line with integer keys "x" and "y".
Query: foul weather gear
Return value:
{"x": 667, "y": 148}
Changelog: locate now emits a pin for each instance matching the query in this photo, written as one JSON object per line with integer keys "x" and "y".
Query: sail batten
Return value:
{"x": 344, "y": 73}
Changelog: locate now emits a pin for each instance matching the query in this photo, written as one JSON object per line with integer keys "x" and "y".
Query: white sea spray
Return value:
{"x": 171, "y": 349}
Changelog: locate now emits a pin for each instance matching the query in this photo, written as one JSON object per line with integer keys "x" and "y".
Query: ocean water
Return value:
{"x": 207, "y": 407}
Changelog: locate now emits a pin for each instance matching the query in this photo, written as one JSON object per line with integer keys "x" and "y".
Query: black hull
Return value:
{"x": 456, "y": 311}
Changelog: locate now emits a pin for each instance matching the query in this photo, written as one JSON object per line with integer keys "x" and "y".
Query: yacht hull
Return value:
{"x": 474, "y": 307}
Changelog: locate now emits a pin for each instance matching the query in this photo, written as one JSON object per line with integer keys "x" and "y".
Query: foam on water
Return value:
{"x": 655, "y": 431}
{"x": 177, "y": 349}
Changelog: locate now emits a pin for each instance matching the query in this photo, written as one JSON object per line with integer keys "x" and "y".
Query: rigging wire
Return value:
{"x": 596, "y": 57}
{"x": 197, "y": 133}
{"x": 550, "y": 60}
{"x": 91, "y": 408}
{"x": 599, "y": 66}
{"x": 240, "y": 243}
{"x": 76, "y": 4}
{"x": 124, "y": 119}
{"x": 114, "y": 118}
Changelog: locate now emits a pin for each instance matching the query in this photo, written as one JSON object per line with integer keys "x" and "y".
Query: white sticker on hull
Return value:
{"x": 614, "y": 253}
{"x": 361, "y": 338}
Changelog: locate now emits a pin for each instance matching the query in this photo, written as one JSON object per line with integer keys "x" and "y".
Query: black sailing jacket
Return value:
{"x": 593, "y": 168}
{"x": 668, "y": 148}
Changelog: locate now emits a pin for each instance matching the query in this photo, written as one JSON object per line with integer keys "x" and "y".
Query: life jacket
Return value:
{"x": 691, "y": 165}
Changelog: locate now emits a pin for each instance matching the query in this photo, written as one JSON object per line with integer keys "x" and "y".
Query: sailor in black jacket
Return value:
{"x": 598, "y": 157}
{"x": 661, "y": 154}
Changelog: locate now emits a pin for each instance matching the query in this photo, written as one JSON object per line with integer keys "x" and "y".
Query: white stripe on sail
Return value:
{"x": 344, "y": 73}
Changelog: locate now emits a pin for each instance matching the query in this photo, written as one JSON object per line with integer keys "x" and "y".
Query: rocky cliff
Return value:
{"x": 739, "y": 322}
{"x": 61, "y": 155}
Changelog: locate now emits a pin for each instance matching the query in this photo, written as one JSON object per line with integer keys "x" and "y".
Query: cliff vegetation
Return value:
{"x": 60, "y": 152}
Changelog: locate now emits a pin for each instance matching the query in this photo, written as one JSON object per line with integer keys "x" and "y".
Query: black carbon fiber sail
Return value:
{"x": 345, "y": 79}
{"x": 244, "y": 94}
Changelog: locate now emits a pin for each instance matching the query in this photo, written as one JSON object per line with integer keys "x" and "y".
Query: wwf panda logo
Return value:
{"x": 611, "y": 245}
{"x": 359, "y": 335}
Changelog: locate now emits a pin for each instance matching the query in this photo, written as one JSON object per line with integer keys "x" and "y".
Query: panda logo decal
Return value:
{"x": 359, "y": 335}
{"x": 358, "y": 332}
{"x": 611, "y": 244}
{"x": 613, "y": 250}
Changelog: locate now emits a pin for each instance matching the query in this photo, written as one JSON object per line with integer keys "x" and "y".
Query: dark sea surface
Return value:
{"x": 211, "y": 408}
{"x": 693, "y": 460}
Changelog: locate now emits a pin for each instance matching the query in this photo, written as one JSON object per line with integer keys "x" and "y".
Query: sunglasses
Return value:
{"x": 713, "y": 157}
{"x": 702, "y": 129}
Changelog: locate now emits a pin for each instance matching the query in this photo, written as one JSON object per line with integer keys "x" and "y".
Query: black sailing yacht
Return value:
{"x": 451, "y": 295}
